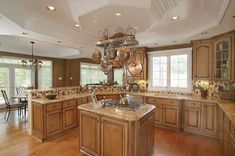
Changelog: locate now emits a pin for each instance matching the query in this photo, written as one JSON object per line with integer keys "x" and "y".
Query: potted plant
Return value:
{"x": 203, "y": 86}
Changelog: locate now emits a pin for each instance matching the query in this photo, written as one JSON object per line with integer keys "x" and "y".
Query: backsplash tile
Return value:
{"x": 224, "y": 90}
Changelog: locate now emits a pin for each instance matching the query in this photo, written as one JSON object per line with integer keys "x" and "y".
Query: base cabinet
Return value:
{"x": 53, "y": 123}
{"x": 167, "y": 112}
{"x": 106, "y": 136}
{"x": 51, "y": 120}
{"x": 210, "y": 119}
{"x": 114, "y": 139}
{"x": 90, "y": 130}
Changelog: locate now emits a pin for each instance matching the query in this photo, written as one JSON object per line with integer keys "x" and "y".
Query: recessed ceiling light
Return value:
{"x": 77, "y": 25}
{"x": 51, "y": 8}
{"x": 118, "y": 14}
{"x": 95, "y": 21}
{"x": 203, "y": 33}
{"x": 175, "y": 17}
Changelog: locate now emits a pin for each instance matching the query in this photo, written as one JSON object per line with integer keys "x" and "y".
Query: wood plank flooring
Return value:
{"x": 14, "y": 141}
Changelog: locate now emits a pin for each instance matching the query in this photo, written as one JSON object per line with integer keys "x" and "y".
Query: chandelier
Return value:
{"x": 33, "y": 62}
{"x": 117, "y": 49}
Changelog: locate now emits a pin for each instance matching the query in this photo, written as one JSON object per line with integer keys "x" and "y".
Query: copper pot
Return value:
{"x": 96, "y": 55}
{"x": 123, "y": 54}
{"x": 135, "y": 67}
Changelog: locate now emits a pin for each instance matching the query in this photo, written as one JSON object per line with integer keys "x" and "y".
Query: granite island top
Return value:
{"x": 228, "y": 106}
{"x": 128, "y": 115}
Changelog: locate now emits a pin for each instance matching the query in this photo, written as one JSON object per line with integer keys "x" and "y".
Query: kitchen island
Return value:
{"x": 115, "y": 131}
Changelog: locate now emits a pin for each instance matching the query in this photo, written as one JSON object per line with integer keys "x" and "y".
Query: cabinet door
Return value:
{"x": 226, "y": 136}
{"x": 192, "y": 119}
{"x": 146, "y": 146}
{"x": 220, "y": 126}
{"x": 158, "y": 114}
{"x": 202, "y": 61}
{"x": 89, "y": 133}
{"x": 69, "y": 118}
{"x": 53, "y": 123}
{"x": 210, "y": 118}
{"x": 171, "y": 116}
{"x": 115, "y": 144}
{"x": 223, "y": 64}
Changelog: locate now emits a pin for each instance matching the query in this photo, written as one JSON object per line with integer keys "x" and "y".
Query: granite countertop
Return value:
{"x": 123, "y": 114}
{"x": 228, "y": 106}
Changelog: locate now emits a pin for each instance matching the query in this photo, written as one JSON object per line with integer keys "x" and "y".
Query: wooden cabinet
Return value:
{"x": 109, "y": 96}
{"x": 102, "y": 135}
{"x": 69, "y": 114}
{"x": 202, "y": 60}
{"x": 210, "y": 119}
{"x": 167, "y": 112}
{"x": 192, "y": 116}
{"x": 158, "y": 114}
{"x": 171, "y": 116}
{"x": 232, "y": 139}
{"x": 146, "y": 136}
{"x": 114, "y": 137}
{"x": 220, "y": 126}
{"x": 226, "y": 144}
{"x": 90, "y": 132}
{"x": 223, "y": 58}
{"x": 53, "y": 119}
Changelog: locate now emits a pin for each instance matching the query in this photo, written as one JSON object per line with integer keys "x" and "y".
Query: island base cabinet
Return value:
{"x": 158, "y": 115}
{"x": 106, "y": 136}
{"x": 90, "y": 133}
{"x": 113, "y": 137}
{"x": 146, "y": 141}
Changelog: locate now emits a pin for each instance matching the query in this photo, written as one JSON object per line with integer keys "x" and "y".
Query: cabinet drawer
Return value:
{"x": 163, "y": 101}
{"x": 82, "y": 100}
{"x": 69, "y": 103}
{"x": 192, "y": 104}
{"x": 53, "y": 107}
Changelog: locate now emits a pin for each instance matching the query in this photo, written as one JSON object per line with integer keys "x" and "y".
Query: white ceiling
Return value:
{"x": 152, "y": 18}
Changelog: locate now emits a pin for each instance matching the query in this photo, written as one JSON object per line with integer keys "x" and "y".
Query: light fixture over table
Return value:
{"x": 33, "y": 62}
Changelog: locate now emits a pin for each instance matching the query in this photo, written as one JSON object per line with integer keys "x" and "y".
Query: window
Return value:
{"x": 118, "y": 75}
{"x": 45, "y": 74}
{"x": 91, "y": 73}
{"x": 170, "y": 70}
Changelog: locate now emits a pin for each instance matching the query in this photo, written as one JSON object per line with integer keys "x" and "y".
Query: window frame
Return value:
{"x": 40, "y": 74}
{"x": 168, "y": 54}
{"x": 89, "y": 64}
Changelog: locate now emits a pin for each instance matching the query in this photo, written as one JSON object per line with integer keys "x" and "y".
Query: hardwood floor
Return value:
{"x": 14, "y": 141}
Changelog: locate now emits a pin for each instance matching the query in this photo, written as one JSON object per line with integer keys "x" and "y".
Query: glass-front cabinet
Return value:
{"x": 223, "y": 59}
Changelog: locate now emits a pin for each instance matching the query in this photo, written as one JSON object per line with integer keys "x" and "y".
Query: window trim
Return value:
{"x": 169, "y": 53}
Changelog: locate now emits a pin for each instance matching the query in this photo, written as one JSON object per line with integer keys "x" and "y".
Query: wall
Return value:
{"x": 59, "y": 72}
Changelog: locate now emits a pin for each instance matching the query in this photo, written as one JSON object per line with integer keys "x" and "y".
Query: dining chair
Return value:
{"x": 10, "y": 105}
{"x": 24, "y": 101}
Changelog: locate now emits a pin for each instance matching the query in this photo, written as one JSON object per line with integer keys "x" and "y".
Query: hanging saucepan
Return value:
{"x": 96, "y": 55}
{"x": 135, "y": 67}
{"x": 117, "y": 63}
{"x": 123, "y": 54}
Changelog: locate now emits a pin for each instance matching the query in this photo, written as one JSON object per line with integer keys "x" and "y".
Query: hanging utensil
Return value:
{"x": 123, "y": 54}
{"x": 96, "y": 55}
{"x": 135, "y": 67}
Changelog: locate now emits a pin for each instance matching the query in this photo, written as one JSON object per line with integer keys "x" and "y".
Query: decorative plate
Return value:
{"x": 134, "y": 87}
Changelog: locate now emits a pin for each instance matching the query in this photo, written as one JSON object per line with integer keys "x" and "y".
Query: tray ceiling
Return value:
{"x": 56, "y": 35}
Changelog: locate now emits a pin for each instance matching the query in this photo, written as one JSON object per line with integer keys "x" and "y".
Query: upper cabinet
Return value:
{"x": 202, "y": 60}
{"x": 223, "y": 57}
{"x": 214, "y": 59}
